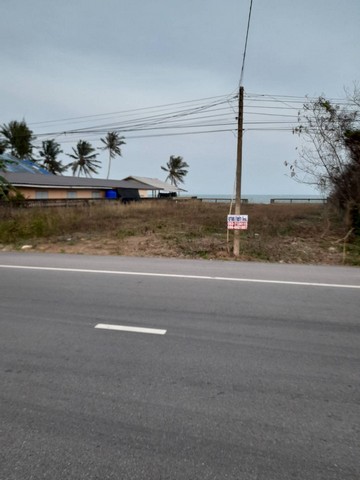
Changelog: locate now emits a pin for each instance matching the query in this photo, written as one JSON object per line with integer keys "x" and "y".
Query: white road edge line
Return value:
{"x": 123, "y": 328}
{"x": 173, "y": 275}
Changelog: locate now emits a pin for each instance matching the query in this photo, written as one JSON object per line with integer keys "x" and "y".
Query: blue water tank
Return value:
{"x": 110, "y": 194}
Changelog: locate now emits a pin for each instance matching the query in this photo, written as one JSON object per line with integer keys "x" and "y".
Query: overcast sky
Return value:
{"x": 76, "y": 58}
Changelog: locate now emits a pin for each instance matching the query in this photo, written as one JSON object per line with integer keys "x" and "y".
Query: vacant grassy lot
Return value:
{"x": 186, "y": 229}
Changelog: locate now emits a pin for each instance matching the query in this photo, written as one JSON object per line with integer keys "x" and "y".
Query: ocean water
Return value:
{"x": 260, "y": 198}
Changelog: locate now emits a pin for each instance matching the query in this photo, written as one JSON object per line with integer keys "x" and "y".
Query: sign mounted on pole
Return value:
{"x": 237, "y": 222}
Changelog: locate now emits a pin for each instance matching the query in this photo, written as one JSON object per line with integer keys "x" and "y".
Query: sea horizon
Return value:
{"x": 256, "y": 198}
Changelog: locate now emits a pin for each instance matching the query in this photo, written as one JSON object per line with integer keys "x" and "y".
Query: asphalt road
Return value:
{"x": 257, "y": 376}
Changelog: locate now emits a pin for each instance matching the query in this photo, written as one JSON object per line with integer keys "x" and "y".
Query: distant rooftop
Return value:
{"x": 156, "y": 184}
{"x": 37, "y": 180}
{"x": 15, "y": 165}
{"x": 28, "y": 173}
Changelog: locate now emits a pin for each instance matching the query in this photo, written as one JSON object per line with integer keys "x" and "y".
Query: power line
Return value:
{"x": 133, "y": 111}
{"x": 266, "y": 99}
{"x": 245, "y": 48}
{"x": 180, "y": 115}
{"x": 170, "y": 134}
{"x": 265, "y": 112}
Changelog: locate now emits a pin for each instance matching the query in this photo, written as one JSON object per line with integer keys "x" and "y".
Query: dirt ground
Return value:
{"x": 284, "y": 250}
{"x": 306, "y": 234}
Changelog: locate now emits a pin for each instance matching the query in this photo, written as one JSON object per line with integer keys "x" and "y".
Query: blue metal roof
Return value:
{"x": 15, "y": 165}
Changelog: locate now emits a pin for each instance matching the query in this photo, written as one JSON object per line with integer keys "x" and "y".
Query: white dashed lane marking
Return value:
{"x": 123, "y": 328}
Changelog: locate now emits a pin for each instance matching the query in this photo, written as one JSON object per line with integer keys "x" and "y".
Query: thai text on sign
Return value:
{"x": 237, "y": 222}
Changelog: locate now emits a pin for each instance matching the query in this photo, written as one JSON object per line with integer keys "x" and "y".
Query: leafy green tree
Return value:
{"x": 112, "y": 142}
{"x": 84, "y": 159}
{"x": 7, "y": 191}
{"x": 3, "y": 181}
{"x": 49, "y": 153}
{"x": 346, "y": 189}
{"x": 18, "y": 139}
{"x": 176, "y": 169}
{"x": 330, "y": 156}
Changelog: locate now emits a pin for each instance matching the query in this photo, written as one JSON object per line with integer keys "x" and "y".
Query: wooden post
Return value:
{"x": 239, "y": 169}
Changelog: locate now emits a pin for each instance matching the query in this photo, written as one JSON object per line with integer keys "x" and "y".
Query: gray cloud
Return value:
{"x": 83, "y": 57}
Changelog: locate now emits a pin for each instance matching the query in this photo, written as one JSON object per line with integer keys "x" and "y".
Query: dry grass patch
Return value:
{"x": 191, "y": 229}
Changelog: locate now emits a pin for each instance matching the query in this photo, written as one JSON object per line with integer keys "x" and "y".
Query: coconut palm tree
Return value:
{"x": 84, "y": 159}
{"x": 176, "y": 168}
{"x": 113, "y": 142}
{"x": 17, "y": 138}
{"x": 49, "y": 153}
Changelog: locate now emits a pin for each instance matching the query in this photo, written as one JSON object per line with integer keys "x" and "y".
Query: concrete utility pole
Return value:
{"x": 239, "y": 169}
